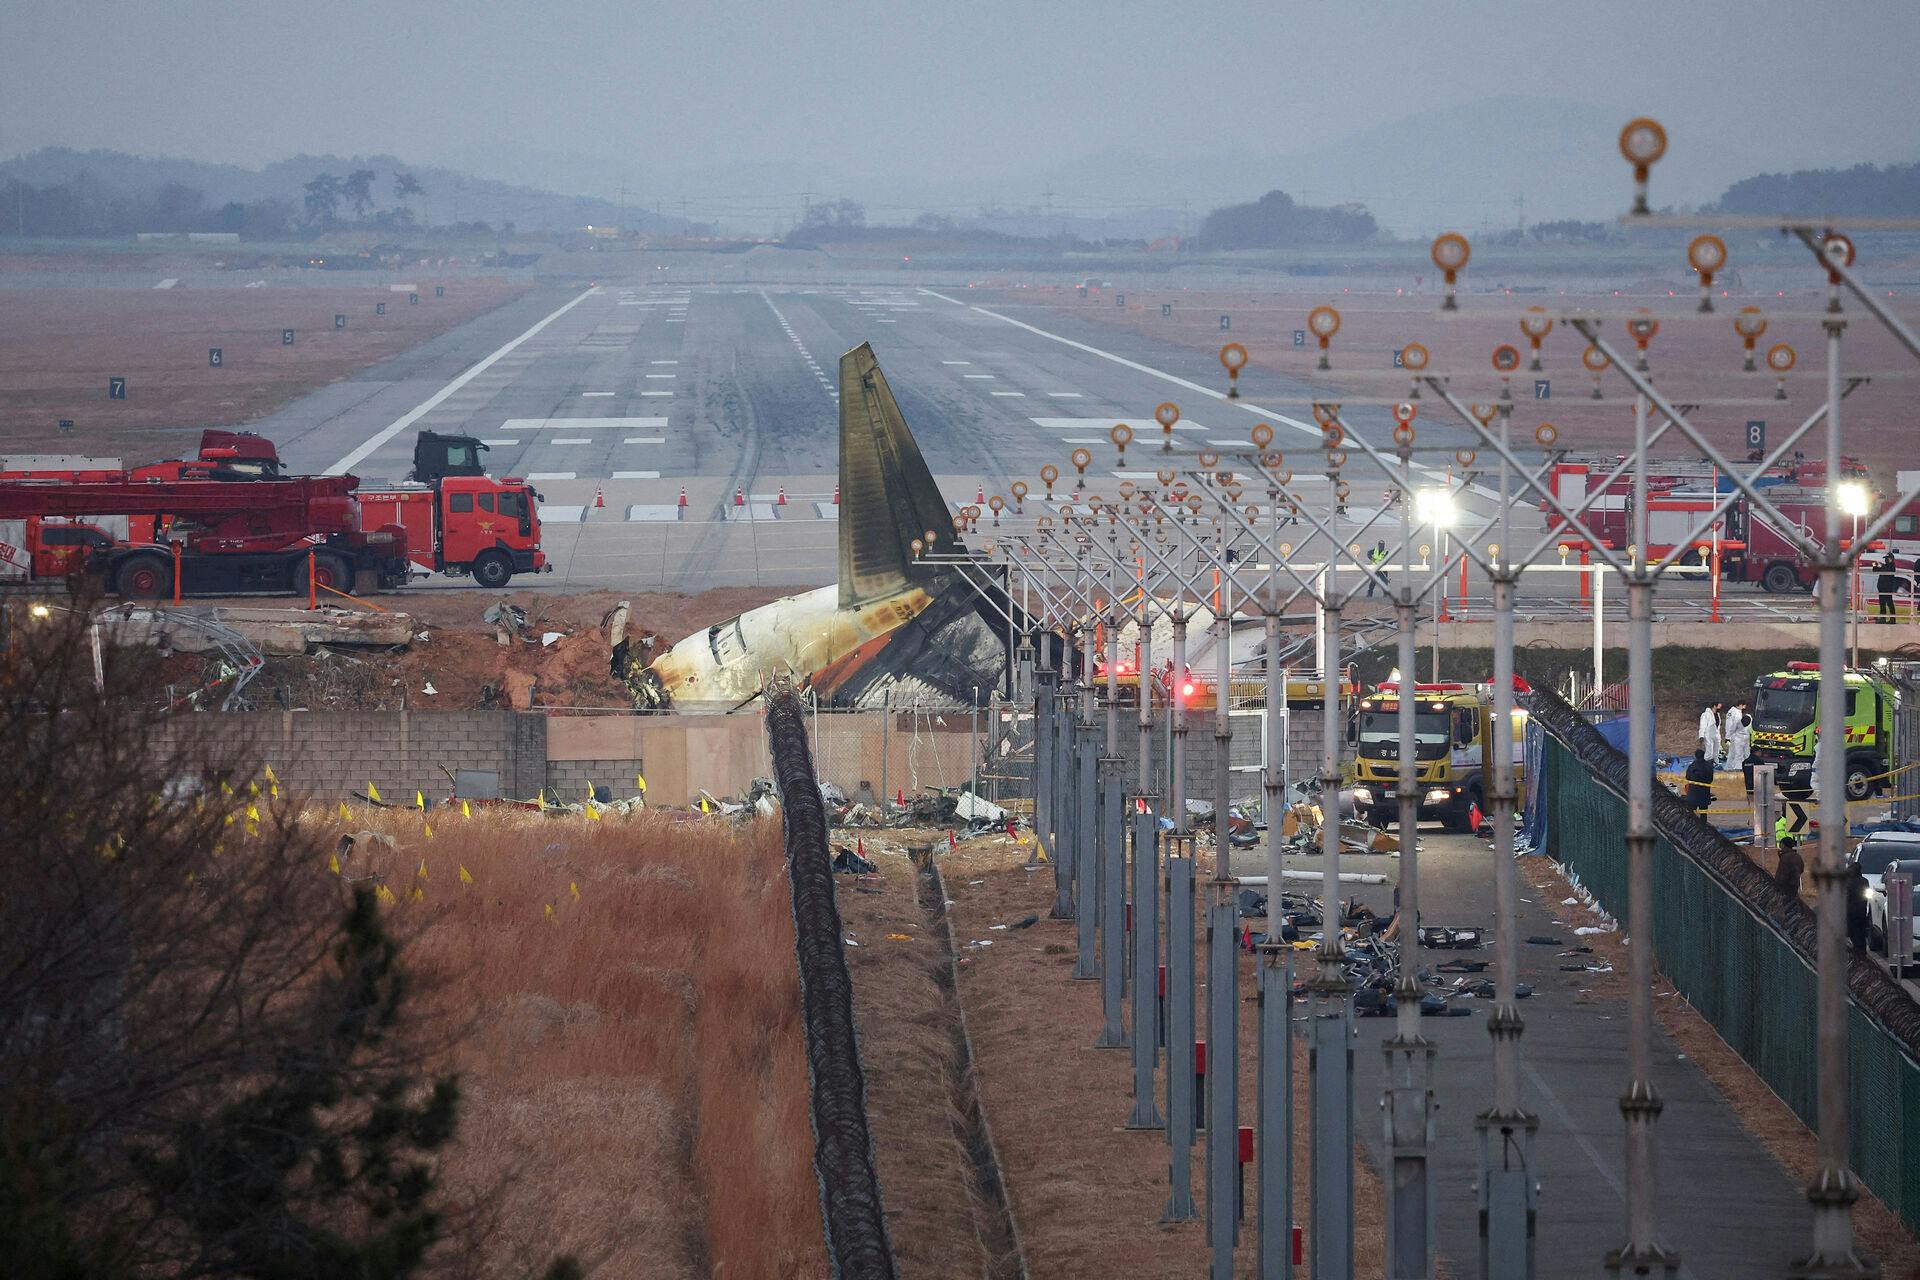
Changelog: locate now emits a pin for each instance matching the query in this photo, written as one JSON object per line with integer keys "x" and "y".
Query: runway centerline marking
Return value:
{"x": 636, "y": 475}
{"x": 956, "y": 362}
{"x": 663, "y": 375}
{"x": 1006, "y": 393}
{"x": 644, "y": 440}
{"x": 656, "y": 393}
{"x": 573, "y": 440}
{"x": 976, "y": 376}
{"x": 550, "y": 475}
{"x": 1066, "y": 395}
{"x": 432, "y": 402}
{"x": 663, "y": 362}
{"x": 599, "y": 393}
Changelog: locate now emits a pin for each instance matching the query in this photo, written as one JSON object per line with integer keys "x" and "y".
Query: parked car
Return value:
{"x": 1873, "y": 857}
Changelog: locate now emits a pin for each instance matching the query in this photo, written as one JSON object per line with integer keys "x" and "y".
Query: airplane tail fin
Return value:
{"x": 887, "y": 495}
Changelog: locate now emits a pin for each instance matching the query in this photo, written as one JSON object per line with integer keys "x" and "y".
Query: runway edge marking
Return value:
{"x": 432, "y": 402}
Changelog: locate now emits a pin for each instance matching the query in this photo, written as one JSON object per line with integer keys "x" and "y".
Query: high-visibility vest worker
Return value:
{"x": 1779, "y": 830}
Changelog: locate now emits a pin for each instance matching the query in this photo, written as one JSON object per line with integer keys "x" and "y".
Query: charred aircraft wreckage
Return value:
{"x": 896, "y": 628}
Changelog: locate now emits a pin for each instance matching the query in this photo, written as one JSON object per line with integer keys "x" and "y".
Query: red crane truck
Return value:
{"x": 223, "y": 538}
{"x": 459, "y": 522}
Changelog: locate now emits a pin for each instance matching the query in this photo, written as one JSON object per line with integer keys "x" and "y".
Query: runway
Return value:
{"x": 615, "y": 400}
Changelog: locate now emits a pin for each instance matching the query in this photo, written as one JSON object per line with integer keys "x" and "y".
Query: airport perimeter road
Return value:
{"x": 615, "y": 399}
{"x": 1724, "y": 1203}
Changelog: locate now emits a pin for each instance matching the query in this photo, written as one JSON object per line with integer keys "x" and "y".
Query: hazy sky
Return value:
{"x": 657, "y": 93}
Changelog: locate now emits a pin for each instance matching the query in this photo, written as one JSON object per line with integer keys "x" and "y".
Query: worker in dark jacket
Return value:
{"x": 1700, "y": 783}
{"x": 1888, "y": 583}
{"x": 1857, "y": 916}
{"x": 1787, "y": 872}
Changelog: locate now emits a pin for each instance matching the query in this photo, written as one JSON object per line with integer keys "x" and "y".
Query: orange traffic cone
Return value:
{"x": 599, "y": 496}
{"x": 683, "y": 495}
{"x": 980, "y": 493}
{"x": 836, "y": 495}
{"x": 781, "y": 500}
{"x": 900, "y": 798}
{"x": 739, "y": 497}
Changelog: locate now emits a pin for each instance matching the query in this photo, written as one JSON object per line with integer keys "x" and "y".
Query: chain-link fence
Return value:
{"x": 1741, "y": 952}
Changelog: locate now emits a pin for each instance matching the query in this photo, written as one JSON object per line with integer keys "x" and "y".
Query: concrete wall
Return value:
{"x": 329, "y": 754}
{"x": 1243, "y": 751}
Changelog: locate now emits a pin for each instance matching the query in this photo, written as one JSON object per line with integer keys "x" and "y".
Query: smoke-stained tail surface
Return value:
{"x": 887, "y": 495}
{"x": 898, "y": 629}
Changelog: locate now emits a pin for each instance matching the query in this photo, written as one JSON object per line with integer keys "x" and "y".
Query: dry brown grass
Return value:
{"x": 635, "y": 1071}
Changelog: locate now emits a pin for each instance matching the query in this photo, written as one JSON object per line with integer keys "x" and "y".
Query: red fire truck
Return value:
{"x": 221, "y": 538}
{"x": 459, "y": 521}
{"x": 1753, "y": 545}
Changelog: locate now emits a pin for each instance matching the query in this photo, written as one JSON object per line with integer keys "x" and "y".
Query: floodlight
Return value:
{"x": 1853, "y": 498}
{"x": 1435, "y": 506}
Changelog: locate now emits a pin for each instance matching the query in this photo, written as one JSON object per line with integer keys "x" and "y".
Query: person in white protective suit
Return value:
{"x": 1710, "y": 729}
{"x": 1739, "y": 736}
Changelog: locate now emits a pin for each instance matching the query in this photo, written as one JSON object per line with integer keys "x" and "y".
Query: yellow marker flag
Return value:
{"x": 253, "y": 812}
{"x": 345, "y": 812}
{"x": 703, "y": 804}
{"x": 640, "y": 783}
{"x": 428, "y": 826}
{"x": 229, "y": 819}
{"x": 416, "y": 895}
{"x": 333, "y": 863}
{"x": 273, "y": 790}
{"x": 464, "y": 877}
{"x": 225, "y": 789}
{"x": 269, "y": 770}
{"x": 465, "y": 812}
{"x": 373, "y": 792}
{"x": 253, "y": 788}
{"x": 422, "y": 870}
{"x": 549, "y": 911}
{"x": 419, "y": 800}
{"x": 573, "y": 889}
{"x": 593, "y": 814}
{"x": 383, "y": 894}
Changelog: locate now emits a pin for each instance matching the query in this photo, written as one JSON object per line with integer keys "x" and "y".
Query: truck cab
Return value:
{"x": 1786, "y": 710}
{"x": 437, "y": 456}
{"x": 489, "y": 527}
{"x": 1453, "y": 742}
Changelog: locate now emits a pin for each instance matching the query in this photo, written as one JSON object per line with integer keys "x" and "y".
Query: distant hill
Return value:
{"x": 1865, "y": 190}
{"x": 443, "y": 196}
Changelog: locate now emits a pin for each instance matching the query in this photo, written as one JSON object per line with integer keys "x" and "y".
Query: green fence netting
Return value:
{"x": 1741, "y": 953}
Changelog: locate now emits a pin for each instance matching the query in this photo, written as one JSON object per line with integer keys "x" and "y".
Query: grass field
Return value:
{"x": 59, "y": 347}
{"x": 634, "y": 1066}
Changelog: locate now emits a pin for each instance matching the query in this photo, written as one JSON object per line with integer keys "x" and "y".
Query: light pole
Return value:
{"x": 1434, "y": 506}
{"x": 1854, "y": 501}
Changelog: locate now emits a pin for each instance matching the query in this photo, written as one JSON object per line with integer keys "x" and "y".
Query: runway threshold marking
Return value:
{"x": 432, "y": 402}
{"x": 1178, "y": 381}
